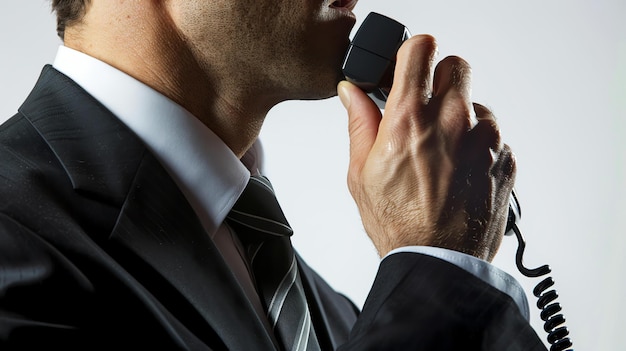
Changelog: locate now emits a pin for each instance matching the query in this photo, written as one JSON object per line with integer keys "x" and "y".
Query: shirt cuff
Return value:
{"x": 483, "y": 270}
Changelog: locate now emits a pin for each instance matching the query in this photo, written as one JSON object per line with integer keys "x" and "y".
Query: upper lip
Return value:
{"x": 347, "y": 4}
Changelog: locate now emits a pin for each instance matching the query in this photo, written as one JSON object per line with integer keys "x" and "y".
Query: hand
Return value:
{"x": 429, "y": 172}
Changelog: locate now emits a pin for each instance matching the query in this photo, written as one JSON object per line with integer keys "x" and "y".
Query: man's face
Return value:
{"x": 292, "y": 48}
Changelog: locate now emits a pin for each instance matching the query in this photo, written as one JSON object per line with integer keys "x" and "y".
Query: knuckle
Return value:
{"x": 483, "y": 112}
{"x": 494, "y": 135}
{"x": 455, "y": 63}
{"x": 512, "y": 162}
{"x": 508, "y": 162}
{"x": 418, "y": 42}
{"x": 353, "y": 179}
{"x": 485, "y": 135}
{"x": 453, "y": 74}
{"x": 490, "y": 133}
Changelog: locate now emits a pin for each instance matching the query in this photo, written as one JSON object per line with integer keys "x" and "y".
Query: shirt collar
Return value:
{"x": 207, "y": 171}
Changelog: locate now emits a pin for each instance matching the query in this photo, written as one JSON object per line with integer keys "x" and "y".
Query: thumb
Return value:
{"x": 363, "y": 120}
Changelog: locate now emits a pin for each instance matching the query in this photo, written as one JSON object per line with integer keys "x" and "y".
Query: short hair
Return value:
{"x": 68, "y": 12}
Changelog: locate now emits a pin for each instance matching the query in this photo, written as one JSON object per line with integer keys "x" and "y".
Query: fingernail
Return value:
{"x": 344, "y": 94}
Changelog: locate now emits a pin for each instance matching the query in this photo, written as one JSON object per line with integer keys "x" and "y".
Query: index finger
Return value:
{"x": 412, "y": 85}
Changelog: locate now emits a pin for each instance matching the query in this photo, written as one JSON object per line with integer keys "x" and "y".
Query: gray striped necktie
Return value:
{"x": 264, "y": 232}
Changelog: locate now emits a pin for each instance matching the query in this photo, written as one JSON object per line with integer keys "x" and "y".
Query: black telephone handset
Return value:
{"x": 369, "y": 64}
{"x": 371, "y": 58}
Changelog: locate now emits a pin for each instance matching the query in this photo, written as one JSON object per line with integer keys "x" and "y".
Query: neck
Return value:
{"x": 151, "y": 50}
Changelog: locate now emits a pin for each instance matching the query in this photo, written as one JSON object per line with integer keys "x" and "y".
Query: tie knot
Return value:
{"x": 258, "y": 210}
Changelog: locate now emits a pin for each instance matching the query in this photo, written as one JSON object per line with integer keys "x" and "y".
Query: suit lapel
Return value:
{"x": 333, "y": 316}
{"x": 157, "y": 237}
{"x": 158, "y": 226}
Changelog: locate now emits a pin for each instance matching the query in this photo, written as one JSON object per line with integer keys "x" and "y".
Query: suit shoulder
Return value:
{"x": 24, "y": 156}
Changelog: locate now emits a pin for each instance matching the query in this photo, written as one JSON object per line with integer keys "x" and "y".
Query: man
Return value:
{"x": 124, "y": 170}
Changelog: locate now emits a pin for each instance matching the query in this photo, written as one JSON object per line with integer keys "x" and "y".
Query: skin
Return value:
{"x": 227, "y": 62}
{"x": 431, "y": 172}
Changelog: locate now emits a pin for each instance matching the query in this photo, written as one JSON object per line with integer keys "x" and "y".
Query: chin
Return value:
{"x": 322, "y": 85}
{"x": 312, "y": 75}
{"x": 320, "y": 93}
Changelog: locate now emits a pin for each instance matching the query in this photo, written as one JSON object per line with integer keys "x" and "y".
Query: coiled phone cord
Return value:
{"x": 553, "y": 320}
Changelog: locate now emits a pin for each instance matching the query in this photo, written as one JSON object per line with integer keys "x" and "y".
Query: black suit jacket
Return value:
{"x": 99, "y": 249}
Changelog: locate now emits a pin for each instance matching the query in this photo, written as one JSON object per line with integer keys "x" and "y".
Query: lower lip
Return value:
{"x": 344, "y": 11}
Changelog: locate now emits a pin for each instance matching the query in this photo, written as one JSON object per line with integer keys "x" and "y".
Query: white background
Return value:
{"x": 552, "y": 71}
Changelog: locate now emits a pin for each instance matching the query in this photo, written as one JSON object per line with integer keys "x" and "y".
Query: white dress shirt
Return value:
{"x": 208, "y": 173}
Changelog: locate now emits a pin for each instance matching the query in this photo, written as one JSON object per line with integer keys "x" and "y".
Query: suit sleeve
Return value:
{"x": 419, "y": 302}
